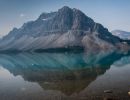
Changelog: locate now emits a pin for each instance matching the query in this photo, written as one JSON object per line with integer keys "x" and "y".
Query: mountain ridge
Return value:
{"x": 65, "y": 28}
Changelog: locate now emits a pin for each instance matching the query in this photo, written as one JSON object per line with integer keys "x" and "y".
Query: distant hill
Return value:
{"x": 121, "y": 34}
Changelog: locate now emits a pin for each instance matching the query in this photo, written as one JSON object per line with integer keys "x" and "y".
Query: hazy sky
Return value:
{"x": 113, "y": 14}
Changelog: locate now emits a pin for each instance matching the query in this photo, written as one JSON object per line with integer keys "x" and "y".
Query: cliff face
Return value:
{"x": 62, "y": 29}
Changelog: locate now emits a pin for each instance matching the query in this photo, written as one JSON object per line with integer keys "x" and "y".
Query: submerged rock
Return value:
{"x": 108, "y": 91}
{"x": 129, "y": 93}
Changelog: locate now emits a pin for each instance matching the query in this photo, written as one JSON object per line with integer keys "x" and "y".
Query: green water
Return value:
{"x": 64, "y": 76}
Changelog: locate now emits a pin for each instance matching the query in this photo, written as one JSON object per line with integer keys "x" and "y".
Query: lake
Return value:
{"x": 64, "y": 76}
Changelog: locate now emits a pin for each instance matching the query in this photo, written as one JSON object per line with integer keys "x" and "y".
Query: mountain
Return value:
{"x": 65, "y": 29}
{"x": 121, "y": 34}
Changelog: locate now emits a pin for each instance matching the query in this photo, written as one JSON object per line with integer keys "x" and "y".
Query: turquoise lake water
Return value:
{"x": 64, "y": 76}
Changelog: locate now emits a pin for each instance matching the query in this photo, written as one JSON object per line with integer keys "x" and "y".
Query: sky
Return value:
{"x": 113, "y": 14}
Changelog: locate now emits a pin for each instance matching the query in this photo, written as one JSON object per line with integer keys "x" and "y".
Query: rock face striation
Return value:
{"x": 64, "y": 29}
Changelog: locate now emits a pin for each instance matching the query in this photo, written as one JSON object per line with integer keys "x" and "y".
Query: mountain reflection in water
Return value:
{"x": 63, "y": 76}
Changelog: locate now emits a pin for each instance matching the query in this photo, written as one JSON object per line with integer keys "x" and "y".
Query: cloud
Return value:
{"x": 22, "y": 15}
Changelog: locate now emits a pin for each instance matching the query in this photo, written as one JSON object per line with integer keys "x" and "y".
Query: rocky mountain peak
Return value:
{"x": 64, "y": 9}
{"x": 61, "y": 29}
{"x": 73, "y": 19}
